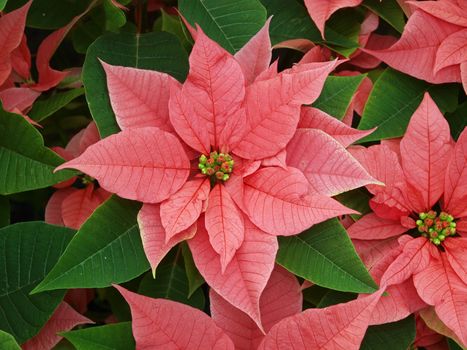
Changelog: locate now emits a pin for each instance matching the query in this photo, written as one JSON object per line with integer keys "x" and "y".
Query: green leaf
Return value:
{"x": 231, "y": 23}
{"x": 337, "y": 94}
{"x": 26, "y": 164}
{"x": 325, "y": 255}
{"x": 4, "y": 211}
{"x": 390, "y": 336}
{"x": 157, "y": 51}
{"x": 50, "y": 14}
{"x": 117, "y": 336}
{"x": 291, "y": 21}
{"x": 195, "y": 280}
{"x": 358, "y": 200}
{"x": 8, "y": 342}
{"x": 453, "y": 345}
{"x": 457, "y": 120}
{"x": 107, "y": 249}
{"x": 173, "y": 24}
{"x": 171, "y": 283}
{"x": 46, "y": 107}
{"x": 334, "y": 297}
{"x": 103, "y": 18}
{"x": 2, "y": 4}
{"x": 29, "y": 250}
{"x": 389, "y": 10}
{"x": 393, "y": 100}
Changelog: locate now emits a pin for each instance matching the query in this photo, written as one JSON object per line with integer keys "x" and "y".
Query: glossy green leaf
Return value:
{"x": 337, "y": 94}
{"x": 291, "y": 21}
{"x": 231, "y": 23}
{"x": 393, "y": 100}
{"x": 391, "y": 336}
{"x": 25, "y": 163}
{"x": 46, "y": 107}
{"x": 195, "y": 280}
{"x": 8, "y": 342}
{"x": 389, "y": 10}
{"x": 325, "y": 255}
{"x": 457, "y": 120}
{"x": 157, "y": 51}
{"x": 171, "y": 283}
{"x": 117, "y": 336}
{"x": 50, "y": 14}
{"x": 29, "y": 251}
{"x": 107, "y": 249}
{"x": 103, "y": 18}
{"x": 2, "y": 4}
{"x": 4, "y": 211}
{"x": 357, "y": 199}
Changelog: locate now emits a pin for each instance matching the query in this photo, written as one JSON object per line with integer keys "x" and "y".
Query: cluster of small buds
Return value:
{"x": 86, "y": 179}
{"x": 218, "y": 165}
{"x": 435, "y": 227}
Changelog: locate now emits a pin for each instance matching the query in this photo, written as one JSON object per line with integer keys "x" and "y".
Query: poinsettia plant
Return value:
{"x": 226, "y": 174}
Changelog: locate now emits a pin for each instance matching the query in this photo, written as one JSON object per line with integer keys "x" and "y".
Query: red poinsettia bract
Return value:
{"x": 425, "y": 195}
{"x": 219, "y": 161}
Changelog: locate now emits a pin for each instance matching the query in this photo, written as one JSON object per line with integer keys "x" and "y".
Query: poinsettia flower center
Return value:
{"x": 218, "y": 166}
{"x": 86, "y": 179}
{"x": 436, "y": 227}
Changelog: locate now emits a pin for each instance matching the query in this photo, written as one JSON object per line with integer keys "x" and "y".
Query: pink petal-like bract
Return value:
{"x": 372, "y": 226}
{"x": 448, "y": 11}
{"x": 168, "y": 325}
{"x": 415, "y": 52}
{"x": 21, "y": 59}
{"x": 453, "y": 50}
{"x": 63, "y": 319}
{"x": 18, "y": 97}
{"x": 313, "y": 118}
{"x": 456, "y": 252}
{"x": 11, "y": 33}
{"x": 281, "y": 298}
{"x": 246, "y": 276}
{"x": 326, "y": 164}
{"x": 455, "y": 182}
{"x": 440, "y": 286}
{"x": 255, "y": 56}
{"x": 53, "y": 209}
{"x": 153, "y": 234}
{"x": 340, "y": 326}
{"x": 184, "y": 207}
{"x": 79, "y": 205}
{"x": 321, "y": 10}
{"x": 425, "y": 151}
{"x": 414, "y": 257}
{"x": 139, "y": 97}
{"x": 273, "y": 108}
{"x": 224, "y": 223}
{"x": 145, "y": 164}
{"x": 279, "y": 202}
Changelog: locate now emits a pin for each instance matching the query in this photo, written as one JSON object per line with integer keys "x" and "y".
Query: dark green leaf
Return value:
{"x": 325, "y": 255}
{"x": 391, "y": 336}
{"x": 453, "y": 345}
{"x": 2, "y": 4}
{"x": 357, "y": 199}
{"x": 458, "y": 120}
{"x": 393, "y": 100}
{"x": 195, "y": 280}
{"x": 26, "y": 164}
{"x": 173, "y": 24}
{"x": 337, "y": 94}
{"x": 50, "y": 14}
{"x": 171, "y": 283}
{"x": 334, "y": 297}
{"x": 314, "y": 294}
{"x": 4, "y": 211}
{"x": 29, "y": 250}
{"x": 117, "y": 336}
{"x": 389, "y": 10}
{"x": 156, "y": 51}
{"x": 231, "y": 23}
{"x": 107, "y": 249}
{"x": 45, "y": 108}
{"x": 8, "y": 342}
{"x": 291, "y": 21}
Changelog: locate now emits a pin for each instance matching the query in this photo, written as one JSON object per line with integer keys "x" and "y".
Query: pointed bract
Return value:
{"x": 445, "y": 10}
{"x": 425, "y": 151}
{"x": 145, "y": 164}
{"x": 340, "y": 326}
{"x": 326, "y": 164}
{"x": 139, "y": 97}
{"x": 452, "y": 51}
{"x": 456, "y": 253}
{"x": 279, "y": 202}
{"x": 53, "y": 209}
{"x": 246, "y": 276}
{"x": 165, "y": 324}
{"x": 18, "y": 97}
{"x": 372, "y": 226}
{"x": 224, "y": 224}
